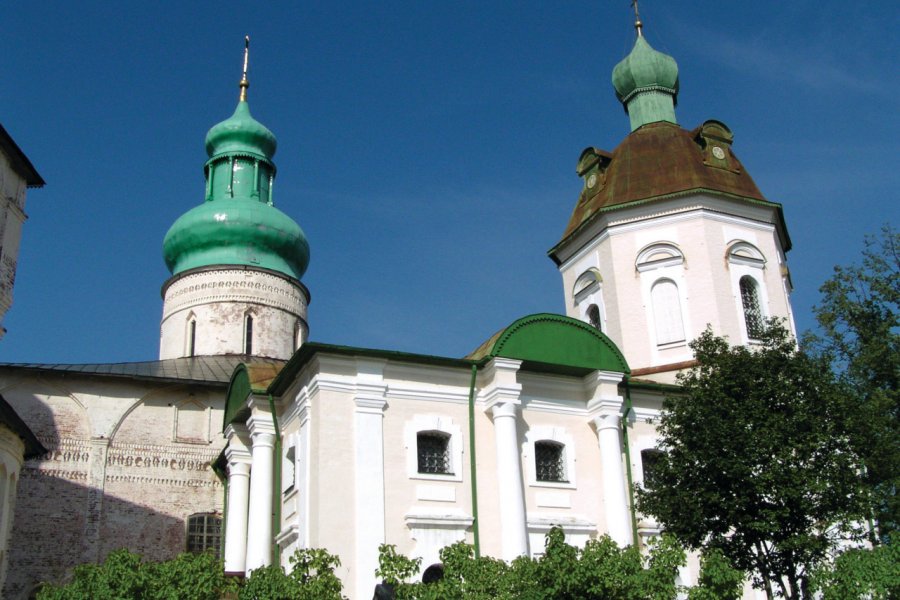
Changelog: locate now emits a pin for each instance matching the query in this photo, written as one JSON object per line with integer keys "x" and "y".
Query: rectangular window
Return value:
{"x": 548, "y": 462}
{"x": 204, "y": 533}
{"x": 433, "y": 449}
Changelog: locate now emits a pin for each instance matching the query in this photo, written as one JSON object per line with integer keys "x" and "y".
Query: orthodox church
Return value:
{"x": 247, "y": 437}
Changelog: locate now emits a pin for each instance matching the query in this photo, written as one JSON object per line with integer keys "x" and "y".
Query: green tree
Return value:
{"x": 756, "y": 462}
{"x": 311, "y": 577}
{"x": 862, "y": 574}
{"x": 860, "y": 335}
{"x": 123, "y": 575}
{"x": 599, "y": 571}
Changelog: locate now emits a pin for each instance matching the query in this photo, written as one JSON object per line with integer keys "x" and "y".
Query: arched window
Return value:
{"x": 204, "y": 532}
{"x": 433, "y": 452}
{"x": 667, "y": 312}
{"x": 593, "y": 316}
{"x": 649, "y": 464}
{"x": 753, "y": 316}
{"x": 248, "y": 334}
{"x": 549, "y": 461}
{"x": 192, "y": 337}
{"x": 587, "y": 295}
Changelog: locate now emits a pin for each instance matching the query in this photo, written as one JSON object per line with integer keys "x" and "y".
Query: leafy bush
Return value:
{"x": 124, "y": 575}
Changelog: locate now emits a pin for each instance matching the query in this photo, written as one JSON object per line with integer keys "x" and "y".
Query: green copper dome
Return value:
{"x": 646, "y": 82}
{"x": 241, "y": 133}
{"x": 238, "y": 224}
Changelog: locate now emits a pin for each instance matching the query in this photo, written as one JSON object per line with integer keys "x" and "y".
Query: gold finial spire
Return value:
{"x": 637, "y": 18}
{"x": 245, "y": 83}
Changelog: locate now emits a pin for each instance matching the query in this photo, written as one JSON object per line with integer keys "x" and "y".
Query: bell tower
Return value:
{"x": 670, "y": 234}
{"x": 236, "y": 260}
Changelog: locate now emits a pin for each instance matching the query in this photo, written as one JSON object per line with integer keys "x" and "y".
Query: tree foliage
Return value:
{"x": 859, "y": 319}
{"x": 311, "y": 577}
{"x": 756, "y": 462}
{"x": 861, "y": 574}
{"x": 124, "y": 575}
{"x": 600, "y": 570}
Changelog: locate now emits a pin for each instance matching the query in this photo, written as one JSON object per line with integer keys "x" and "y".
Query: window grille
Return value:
{"x": 753, "y": 316}
{"x": 548, "y": 462}
{"x": 593, "y": 315}
{"x": 433, "y": 449}
{"x": 204, "y": 533}
{"x": 650, "y": 466}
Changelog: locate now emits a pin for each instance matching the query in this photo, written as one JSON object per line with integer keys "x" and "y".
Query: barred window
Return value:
{"x": 593, "y": 315}
{"x": 204, "y": 533}
{"x": 753, "y": 316}
{"x": 548, "y": 461}
{"x": 650, "y": 465}
{"x": 433, "y": 449}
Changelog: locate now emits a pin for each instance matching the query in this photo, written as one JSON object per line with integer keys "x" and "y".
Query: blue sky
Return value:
{"x": 427, "y": 149}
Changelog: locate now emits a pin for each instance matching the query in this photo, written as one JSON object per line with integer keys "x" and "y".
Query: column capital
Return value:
{"x": 504, "y": 409}
{"x": 607, "y": 420}
{"x": 238, "y": 468}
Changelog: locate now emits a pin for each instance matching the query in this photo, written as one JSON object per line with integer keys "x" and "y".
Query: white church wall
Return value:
{"x": 701, "y": 228}
{"x": 115, "y": 474}
{"x": 218, "y": 301}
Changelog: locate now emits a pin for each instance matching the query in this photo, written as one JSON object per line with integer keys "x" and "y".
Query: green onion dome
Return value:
{"x": 238, "y": 224}
{"x": 241, "y": 133}
{"x": 645, "y": 68}
{"x": 646, "y": 82}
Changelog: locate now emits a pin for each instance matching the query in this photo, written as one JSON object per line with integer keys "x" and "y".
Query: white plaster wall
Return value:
{"x": 128, "y": 461}
{"x": 219, "y": 300}
{"x": 12, "y": 450}
{"x": 702, "y": 227}
{"x": 12, "y": 216}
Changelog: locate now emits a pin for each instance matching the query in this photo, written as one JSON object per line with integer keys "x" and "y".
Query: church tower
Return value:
{"x": 670, "y": 234}
{"x": 236, "y": 260}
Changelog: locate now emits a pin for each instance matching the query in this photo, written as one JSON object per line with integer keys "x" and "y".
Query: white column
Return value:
{"x": 615, "y": 494}
{"x": 239, "y": 459}
{"x": 509, "y": 480}
{"x": 501, "y": 395}
{"x": 605, "y": 404}
{"x": 368, "y": 472}
{"x": 259, "y": 526}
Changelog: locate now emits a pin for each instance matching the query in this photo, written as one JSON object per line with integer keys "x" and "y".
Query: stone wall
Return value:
{"x": 127, "y": 463}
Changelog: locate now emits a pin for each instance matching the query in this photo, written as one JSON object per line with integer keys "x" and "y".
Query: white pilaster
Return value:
{"x": 259, "y": 523}
{"x": 369, "y": 471}
{"x": 501, "y": 395}
{"x": 606, "y": 406}
{"x": 239, "y": 459}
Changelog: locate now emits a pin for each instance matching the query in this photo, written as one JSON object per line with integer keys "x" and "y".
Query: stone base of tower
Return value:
{"x": 232, "y": 310}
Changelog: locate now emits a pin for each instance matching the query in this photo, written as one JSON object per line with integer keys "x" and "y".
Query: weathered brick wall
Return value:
{"x": 127, "y": 463}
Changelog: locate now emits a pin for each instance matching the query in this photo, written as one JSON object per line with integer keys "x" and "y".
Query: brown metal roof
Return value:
{"x": 658, "y": 160}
